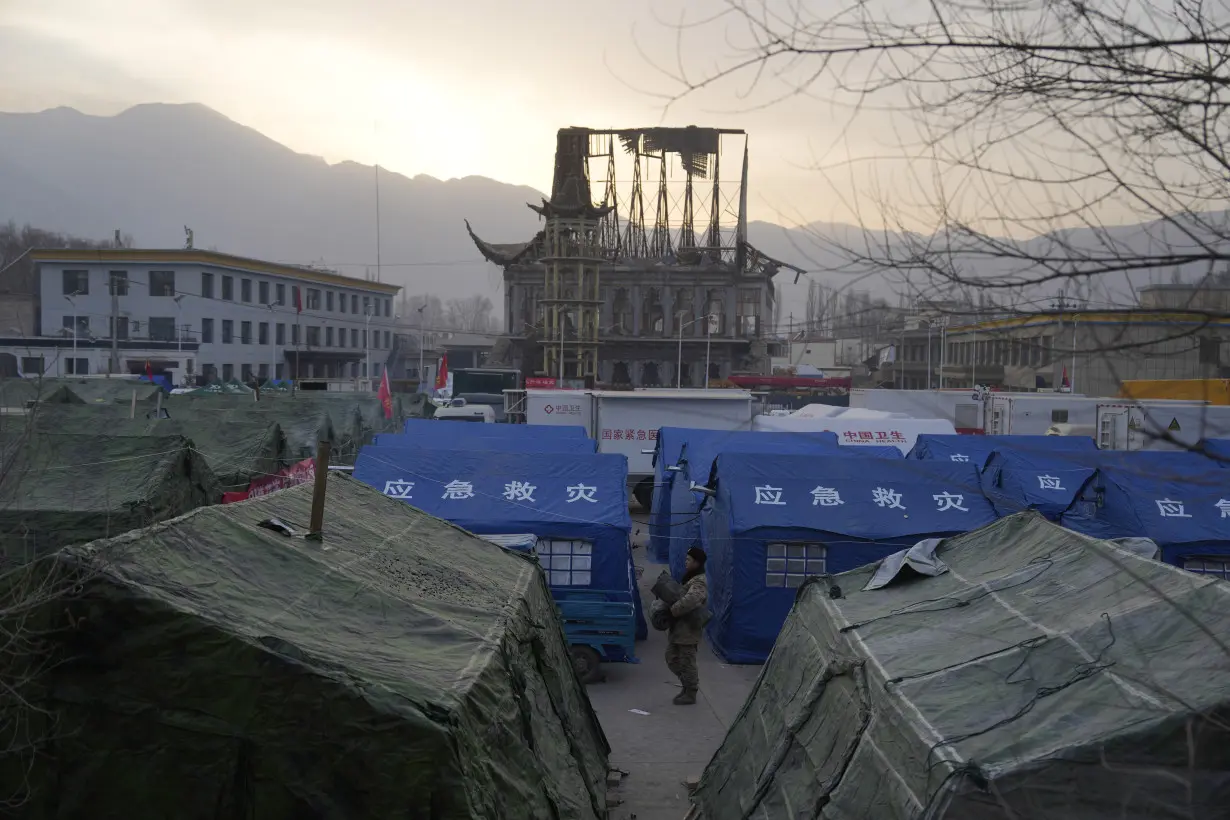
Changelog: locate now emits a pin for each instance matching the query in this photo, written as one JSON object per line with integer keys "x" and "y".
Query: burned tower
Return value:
{"x": 648, "y": 283}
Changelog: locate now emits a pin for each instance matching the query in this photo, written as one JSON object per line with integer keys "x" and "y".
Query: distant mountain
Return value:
{"x": 155, "y": 168}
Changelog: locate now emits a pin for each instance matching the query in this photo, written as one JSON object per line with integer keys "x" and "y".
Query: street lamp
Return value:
{"x": 69, "y": 298}
{"x": 179, "y": 328}
{"x": 679, "y": 362}
{"x": 422, "y": 342}
{"x": 273, "y": 344}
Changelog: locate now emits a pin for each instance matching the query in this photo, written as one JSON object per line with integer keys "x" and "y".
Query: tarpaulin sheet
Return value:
{"x": 67, "y": 489}
{"x": 1019, "y": 480}
{"x": 1045, "y": 676}
{"x": 778, "y": 519}
{"x": 430, "y": 428}
{"x": 446, "y": 439}
{"x": 398, "y": 668}
{"x": 977, "y": 449}
{"x": 1184, "y": 515}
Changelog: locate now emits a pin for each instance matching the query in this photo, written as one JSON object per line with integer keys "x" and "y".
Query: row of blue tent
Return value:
{"x": 507, "y": 479}
{"x": 771, "y": 509}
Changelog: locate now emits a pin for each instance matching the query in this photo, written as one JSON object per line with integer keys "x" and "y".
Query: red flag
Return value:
{"x": 1064, "y": 383}
{"x": 149, "y": 370}
{"x": 442, "y": 376}
{"x": 386, "y": 395}
{"x": 298, "y": 300}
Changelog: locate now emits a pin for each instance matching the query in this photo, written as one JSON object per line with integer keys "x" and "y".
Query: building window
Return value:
{"x": 162, "y": 328}
{"x": 32, "y": 365}
{"x": 294, "y": 335}
{"x": 1059, "y": 417}
{"x": 228, "y": 331}
{"x": 77, "y": 324}
{"x": 228, "y": 289}
{"x": 328, "y": 300}
{"x": 118, "y": 326}
{"x": 245, "y": 372}
{"x": 367, "y": 305}
{"x": 365, "y": 340}
{"x": 262, "y": 292}
{"x": 262, "y": 372}
{"x": 313, "y": 336}
{"x": 1217, "y": 567}
{"x": 245, "y": 290}
{"x": 567, "y": 563}
{"x": 262, "y": 333}
{"x": 279, "y": 294}
{"x": 313, "y": 299}
{"x": 329, "y": 337}
{"x": 341, "y": 337}
{"x": 207, "y": 331}
{"x": 77, "y": 367}
{"x": 118, "y": 282}
{"x": 76, "y": 282}
{"x": 245, "y": 332}
{"x": 354, "y": 303}
{"x": 341, "y": 302}
{"x": 295, "y": 298}
{"x": 388, "y": 340}
{"x": 786, "y": 565}
{"x": 162, "y": 283}
{"x": 228, "y": 372}
{"x": 207, "y": 285}
{"x": 280, "y": 334}
{"x": 354, "y": 337}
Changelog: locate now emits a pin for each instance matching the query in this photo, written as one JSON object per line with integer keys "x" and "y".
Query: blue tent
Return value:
{"x": 977, "y": 449}
{"x": 432, "y": 428}
{"x": 1187, "y": 516}
{"x": 1018, "y": 480}
{"x": 697, "y": 467}
{"x": 1217, "y": 449}
{"x": 496, "y": 444}
{"x": 774, "y": 520}
{"x": 679, "y": 443}
{"x": 577, "y": 505}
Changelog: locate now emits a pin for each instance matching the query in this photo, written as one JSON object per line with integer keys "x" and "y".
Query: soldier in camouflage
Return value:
{"x": 688, "y": 617}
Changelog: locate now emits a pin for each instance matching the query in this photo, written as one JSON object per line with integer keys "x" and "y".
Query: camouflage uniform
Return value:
{"x": 689, "y": 619}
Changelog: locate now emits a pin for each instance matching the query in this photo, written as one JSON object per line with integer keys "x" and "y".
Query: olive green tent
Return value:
{"x": 216, "y": 666}
{"x": 66, "y": 489}
{"x": 237, "y": 450}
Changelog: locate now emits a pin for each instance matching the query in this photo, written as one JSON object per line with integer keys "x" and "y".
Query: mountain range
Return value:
{"x": 153, "y": 169}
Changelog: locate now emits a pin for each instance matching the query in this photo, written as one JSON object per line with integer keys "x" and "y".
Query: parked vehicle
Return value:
{"x": 962, "y": 408}
{"x": 1159, "y": 425}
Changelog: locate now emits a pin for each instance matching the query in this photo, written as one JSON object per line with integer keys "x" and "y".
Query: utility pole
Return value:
{"x": 114, "y": 365}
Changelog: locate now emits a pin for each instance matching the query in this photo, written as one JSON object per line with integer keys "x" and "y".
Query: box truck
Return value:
{"x": 1159, "y": 425}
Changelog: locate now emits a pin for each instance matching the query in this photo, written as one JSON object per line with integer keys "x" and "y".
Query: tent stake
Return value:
{"x": 316, "y": 527}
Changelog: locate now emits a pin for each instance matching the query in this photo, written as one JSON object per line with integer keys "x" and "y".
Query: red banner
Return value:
{"x": 386, "y": 395}
{"x": 294, "y": 475}
{"x": 540, "y": 383}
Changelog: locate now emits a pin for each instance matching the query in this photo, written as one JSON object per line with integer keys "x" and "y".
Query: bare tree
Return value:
{"x": 473, "y": 314}
{"x": 1044, "y": 121}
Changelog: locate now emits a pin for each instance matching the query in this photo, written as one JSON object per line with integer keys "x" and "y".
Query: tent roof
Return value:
{"x": 1169, "y": 509}
{"x": 385, "y": 667}
{"x": 1041, "y": 666}
{"x": 484, "y": 504}
{"x": 978, "y": 449}
{"x": 874, "y": 498}
{"x": 701, "y": 447}
{"x": 1018, "y": 480}
{"x": 46, "y": 472}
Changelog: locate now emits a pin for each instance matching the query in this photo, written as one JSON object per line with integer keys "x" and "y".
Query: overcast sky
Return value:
{"x": 442, "y": 88}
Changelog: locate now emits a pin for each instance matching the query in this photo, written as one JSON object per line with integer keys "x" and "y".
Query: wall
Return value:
{"x": 189, "y": 313}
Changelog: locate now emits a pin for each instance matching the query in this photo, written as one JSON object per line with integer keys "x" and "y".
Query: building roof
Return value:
{"x": 192, "y": 256}
{"x": 1135, "y": 316}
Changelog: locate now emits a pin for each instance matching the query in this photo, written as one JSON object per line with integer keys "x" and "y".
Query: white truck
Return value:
{"x": 901, "y": 433}
{"x": 1159, "y": 424}
{"x": 627, "y": 421}
{"x": 961, "y": 408}
{"x": 1034, "y": 414}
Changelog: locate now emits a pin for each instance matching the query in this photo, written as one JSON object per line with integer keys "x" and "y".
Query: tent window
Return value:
{"x": 786, "y": 565}
{"x": 567, "y": 563}
{"x": 1217, "y": 567}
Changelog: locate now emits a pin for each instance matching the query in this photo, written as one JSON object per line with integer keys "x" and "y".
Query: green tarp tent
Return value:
{"x": 237, "y": 450}
{"x": 1043, "y": 676}
{"x": 66, "y": 489}
{"x": 18, "y": 395}
{"x": 211, "y": 667}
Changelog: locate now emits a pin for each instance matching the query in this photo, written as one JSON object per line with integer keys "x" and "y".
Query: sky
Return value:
{"x": 446, "y": 89}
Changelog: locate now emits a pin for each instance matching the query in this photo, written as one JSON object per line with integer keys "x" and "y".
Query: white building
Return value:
{"x": 203, "y": 313}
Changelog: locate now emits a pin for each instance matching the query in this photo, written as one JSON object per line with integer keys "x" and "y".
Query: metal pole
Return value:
{"x": 1072, "y": 375}
{"x": 367, "y": 347}
{"x": 679, "y": 359}
{"x": 943, "y": 348}
{"x": 115, "y": 328}
{"x": 422, "y": 342}
{"x": 560, "y": 322}
{"x": 973, "y": 367}
{"x": 928, "y": 354}
{"x": 708, "y": 341}
{"x": 317, "y": 522}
